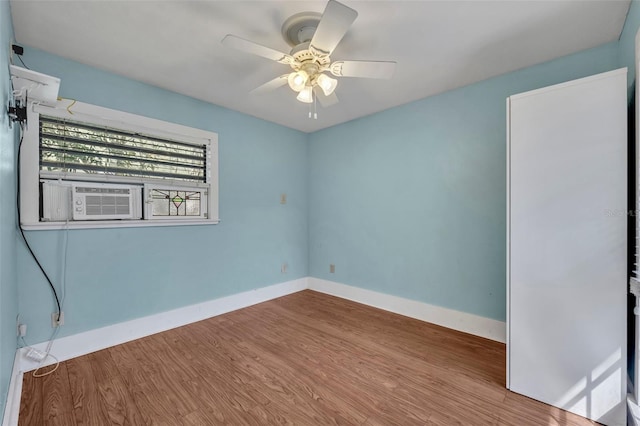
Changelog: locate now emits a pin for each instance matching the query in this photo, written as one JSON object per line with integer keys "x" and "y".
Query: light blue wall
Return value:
{"x": 411, "y": 201}
{"x": 408, "y": 202}
{"x": 114, "y": 275}
{"x": 8, "y": 278}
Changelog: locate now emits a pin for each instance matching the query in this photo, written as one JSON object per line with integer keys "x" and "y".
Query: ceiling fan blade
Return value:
{"x": 325, "y": 101}
{"x": 271, "y": 85}
{"x": 256, "y": 49}
{"x": 366, "y": 69}
{"x": 334, "y": 24}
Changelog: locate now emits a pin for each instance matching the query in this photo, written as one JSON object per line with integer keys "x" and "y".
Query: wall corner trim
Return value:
{"x": 12, "y": 407}
{"x": 461, "y": 321}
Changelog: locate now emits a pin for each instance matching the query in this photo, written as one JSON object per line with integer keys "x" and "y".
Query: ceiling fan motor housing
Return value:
{"x": 297, "y": 31}
{"x": 302, "y": 54}
{"x": 300, "y": 27}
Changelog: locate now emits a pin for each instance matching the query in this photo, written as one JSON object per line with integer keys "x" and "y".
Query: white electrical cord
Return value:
{"x": 36, "y": 354}
{"x": 47, "y": 353}
{"x": 65, "y": 249}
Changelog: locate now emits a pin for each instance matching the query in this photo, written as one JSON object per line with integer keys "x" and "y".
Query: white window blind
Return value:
{"x": 80, "y": 148}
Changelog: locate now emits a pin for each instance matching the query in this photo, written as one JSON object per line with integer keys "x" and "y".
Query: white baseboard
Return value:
{"x": 461, "y": 321}
{"x": 84, "y": 343}
{"x": 12, "y": 407}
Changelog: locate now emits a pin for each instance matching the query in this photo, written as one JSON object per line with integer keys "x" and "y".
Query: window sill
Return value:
{"x": 114, "y": 224}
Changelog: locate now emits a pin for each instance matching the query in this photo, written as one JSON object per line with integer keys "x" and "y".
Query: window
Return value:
{"x": 87, "y": 166}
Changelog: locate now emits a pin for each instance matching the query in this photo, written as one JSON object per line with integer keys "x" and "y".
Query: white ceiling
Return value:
{"x": 438, "y": 45}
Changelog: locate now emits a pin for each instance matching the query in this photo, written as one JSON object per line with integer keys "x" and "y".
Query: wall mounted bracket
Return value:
{"x": 17, "y": 113}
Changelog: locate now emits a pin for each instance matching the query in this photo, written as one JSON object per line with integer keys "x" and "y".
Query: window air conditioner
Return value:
{"x": 68, "y": 200}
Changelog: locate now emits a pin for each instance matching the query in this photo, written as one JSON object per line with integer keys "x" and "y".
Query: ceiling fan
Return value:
{"x": 313, "y": 38}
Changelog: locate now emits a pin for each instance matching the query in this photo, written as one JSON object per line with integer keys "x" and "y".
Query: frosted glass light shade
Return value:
{"x": 297, "y": 80}
{"x": 327, "y": 84}
{"x": 305, "y": 95}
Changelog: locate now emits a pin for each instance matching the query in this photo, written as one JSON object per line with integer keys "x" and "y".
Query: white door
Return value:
{"x": 567, "y": 246}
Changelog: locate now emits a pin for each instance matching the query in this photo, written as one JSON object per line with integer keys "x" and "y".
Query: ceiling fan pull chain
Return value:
{"x": 315, "y": 107}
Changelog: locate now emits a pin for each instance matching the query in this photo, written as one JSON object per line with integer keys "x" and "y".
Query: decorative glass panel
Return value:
{"x": 176, "y": 202}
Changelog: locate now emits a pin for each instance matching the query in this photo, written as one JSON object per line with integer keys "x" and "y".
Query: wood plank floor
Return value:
{"x": 303, "y": 359}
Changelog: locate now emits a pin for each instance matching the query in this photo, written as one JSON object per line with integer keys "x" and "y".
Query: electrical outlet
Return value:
{"x": 284, "y": 268}
{"x": 57, "y": 320}
{"x": 332, "y": 268}
{"x": 283, "y": 198}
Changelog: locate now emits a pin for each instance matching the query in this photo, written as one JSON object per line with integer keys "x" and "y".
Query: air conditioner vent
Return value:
{"x": 73, "y": 200}
{"x": 103, "y": 201}
{"x": 107, "y": 205}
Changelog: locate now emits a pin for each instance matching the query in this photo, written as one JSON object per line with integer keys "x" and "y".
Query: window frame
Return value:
{"x": 30, "y": 174}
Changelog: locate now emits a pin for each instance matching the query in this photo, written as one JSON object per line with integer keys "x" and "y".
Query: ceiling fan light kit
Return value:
{"x": 298, "y": 80}
{"x": 327, "y": 84}
{"x": 313, "y": 38}
{"x": 306, "y": 95}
